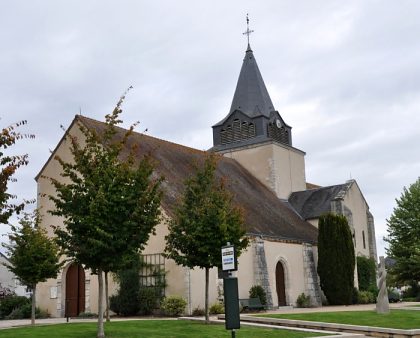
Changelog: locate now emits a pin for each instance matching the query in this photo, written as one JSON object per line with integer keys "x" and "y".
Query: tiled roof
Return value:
{"x": 265, "y": 214}
{"x": 315, "y": 202}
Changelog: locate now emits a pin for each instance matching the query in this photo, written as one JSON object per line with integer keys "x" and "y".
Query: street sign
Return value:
{"x": 229, "y": 262}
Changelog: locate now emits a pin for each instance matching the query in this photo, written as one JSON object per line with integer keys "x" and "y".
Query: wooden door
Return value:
{"x": 280, "y": 285}
{"x": 75, "y": 291}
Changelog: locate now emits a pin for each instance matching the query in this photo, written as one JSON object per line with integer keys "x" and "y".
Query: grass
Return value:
{"x": 396, "y": 319}
{"x": 147, "y": 328}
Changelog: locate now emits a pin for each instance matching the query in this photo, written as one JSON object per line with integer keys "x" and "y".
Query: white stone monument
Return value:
{"x": 382, "y": 303}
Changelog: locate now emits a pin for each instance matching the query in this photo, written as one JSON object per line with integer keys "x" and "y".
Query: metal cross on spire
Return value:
{"x": 248, "y": 31}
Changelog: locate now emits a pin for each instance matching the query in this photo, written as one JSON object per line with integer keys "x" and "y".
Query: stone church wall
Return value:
{"x": 280, "y": 167}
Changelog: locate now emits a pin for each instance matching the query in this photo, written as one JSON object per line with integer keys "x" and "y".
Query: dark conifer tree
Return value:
{"x": 336, "y": 260}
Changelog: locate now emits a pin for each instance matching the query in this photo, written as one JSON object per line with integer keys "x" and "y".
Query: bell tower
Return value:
{"x": 255, "y": 134}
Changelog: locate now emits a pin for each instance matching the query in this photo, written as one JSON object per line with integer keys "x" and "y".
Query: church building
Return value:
{"x": 266, "y": 176}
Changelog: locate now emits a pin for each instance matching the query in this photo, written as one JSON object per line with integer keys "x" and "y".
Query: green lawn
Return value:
{"x": 147, "y": 328}
{"x": 396, "y": 319}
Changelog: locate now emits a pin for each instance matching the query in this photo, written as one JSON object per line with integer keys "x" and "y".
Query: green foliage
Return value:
{"x": 87, "y": 315}
{"x": 173, "y": 306}
{"x": 413, "y": 291}
{"x": 366, "y": 273}
{"x": 204, "y": 221}
{"x": 24, "y": 312}
{"x": 33, "y": 255}
{"x": 303, "y": 300}
{"x": 365, "y": 297}
{"x": 8, "y": 166}
{"x": 126, "y": 301}
{"x": 107, "y": 197}
{"x": 149, "y": 298}
{"x": 257, "y": 291}
{"x": 393, "y": 296}
{"x": 133, "y": 298}
{"x": 217, "y": 308}
{"x": 336, "y": 260}
{"x": 11, "y": 302}
{"x": 198, "y": 312}
{"x": 404, "y": 236}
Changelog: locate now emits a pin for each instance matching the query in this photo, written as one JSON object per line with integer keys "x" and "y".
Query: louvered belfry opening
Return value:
{"x": 237, "y": 131}
{"x": 278, "y": 134}
{"x": 250, "y": 117}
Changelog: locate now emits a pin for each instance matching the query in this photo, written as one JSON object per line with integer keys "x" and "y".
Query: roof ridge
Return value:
{"x": 146, "y": 135}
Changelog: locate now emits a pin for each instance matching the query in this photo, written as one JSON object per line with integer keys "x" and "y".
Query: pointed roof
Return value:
{"x": 251, "y": 95}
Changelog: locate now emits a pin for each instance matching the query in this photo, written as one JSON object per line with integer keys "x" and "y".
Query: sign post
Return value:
{"x": 230, "y": 288}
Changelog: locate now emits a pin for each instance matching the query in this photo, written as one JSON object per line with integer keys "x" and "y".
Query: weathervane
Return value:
{"x": 248, "y": 31}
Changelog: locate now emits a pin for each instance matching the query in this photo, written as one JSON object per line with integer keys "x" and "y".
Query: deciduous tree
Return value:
{"x": 8, "y": 166}
{"x": 404, "y": 236}
{"x": 336, "y": 260}
{"x": 108, "y": 199}
{"x": 205, "y": 220}
{"x": 34, "y": 257}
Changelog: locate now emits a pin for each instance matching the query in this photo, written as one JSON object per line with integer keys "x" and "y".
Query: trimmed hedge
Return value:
{"x": 366, "y": 273}
{"x": 336, "y": 260}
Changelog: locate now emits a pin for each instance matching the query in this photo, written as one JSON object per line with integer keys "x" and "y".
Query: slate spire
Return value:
{"x": 251, "y": 95}
{"x": 252, "y": 118}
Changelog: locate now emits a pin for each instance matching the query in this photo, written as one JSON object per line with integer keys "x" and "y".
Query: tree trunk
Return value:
{"x": 106, "y": 297}
{"x": 33, "y": 305}
{"x": 206, "y": 301}
{"x": 101, "y": 333}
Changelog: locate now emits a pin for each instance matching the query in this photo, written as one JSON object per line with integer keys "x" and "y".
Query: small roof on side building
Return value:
{"x": 315, "y": 202}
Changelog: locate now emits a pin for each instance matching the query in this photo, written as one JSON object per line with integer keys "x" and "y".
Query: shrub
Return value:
{"x": 198, "y": 312}
{"x": 148, "y": 300}
{"x": 125, "y": 302}
{"x": 365, "y": 297}
{"x": 114, "y": 304}
{"x": 393, "y": 296}
{"x": 173, "y": 306}
{"x": 24, "y": 312}
{"x": 409, "y": 299}
{"x": 10, "y": 303}
{"x": 355, "y": 296}
{"x": 366, "y": 273}
{"x": 303, "y": 300}
{"x": 413, "y": 291}
{"x": 373, "y": 289}
{"x": 217, "y": 308}
{"x": 257, "y": 291}
{"x": 88, "y": 315}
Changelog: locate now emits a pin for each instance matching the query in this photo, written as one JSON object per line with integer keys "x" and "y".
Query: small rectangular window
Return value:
{"x": 364, "y": 241}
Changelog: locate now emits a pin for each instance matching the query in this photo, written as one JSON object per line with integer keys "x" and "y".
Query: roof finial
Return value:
{"x": 248, "y": 31}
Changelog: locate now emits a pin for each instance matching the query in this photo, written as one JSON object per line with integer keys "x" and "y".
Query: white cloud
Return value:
{"x": 344, "y": 75}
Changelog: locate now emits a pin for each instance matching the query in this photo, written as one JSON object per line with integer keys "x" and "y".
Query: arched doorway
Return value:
{"x": 75, "y": 290}
{"x": 280, "y": 284}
